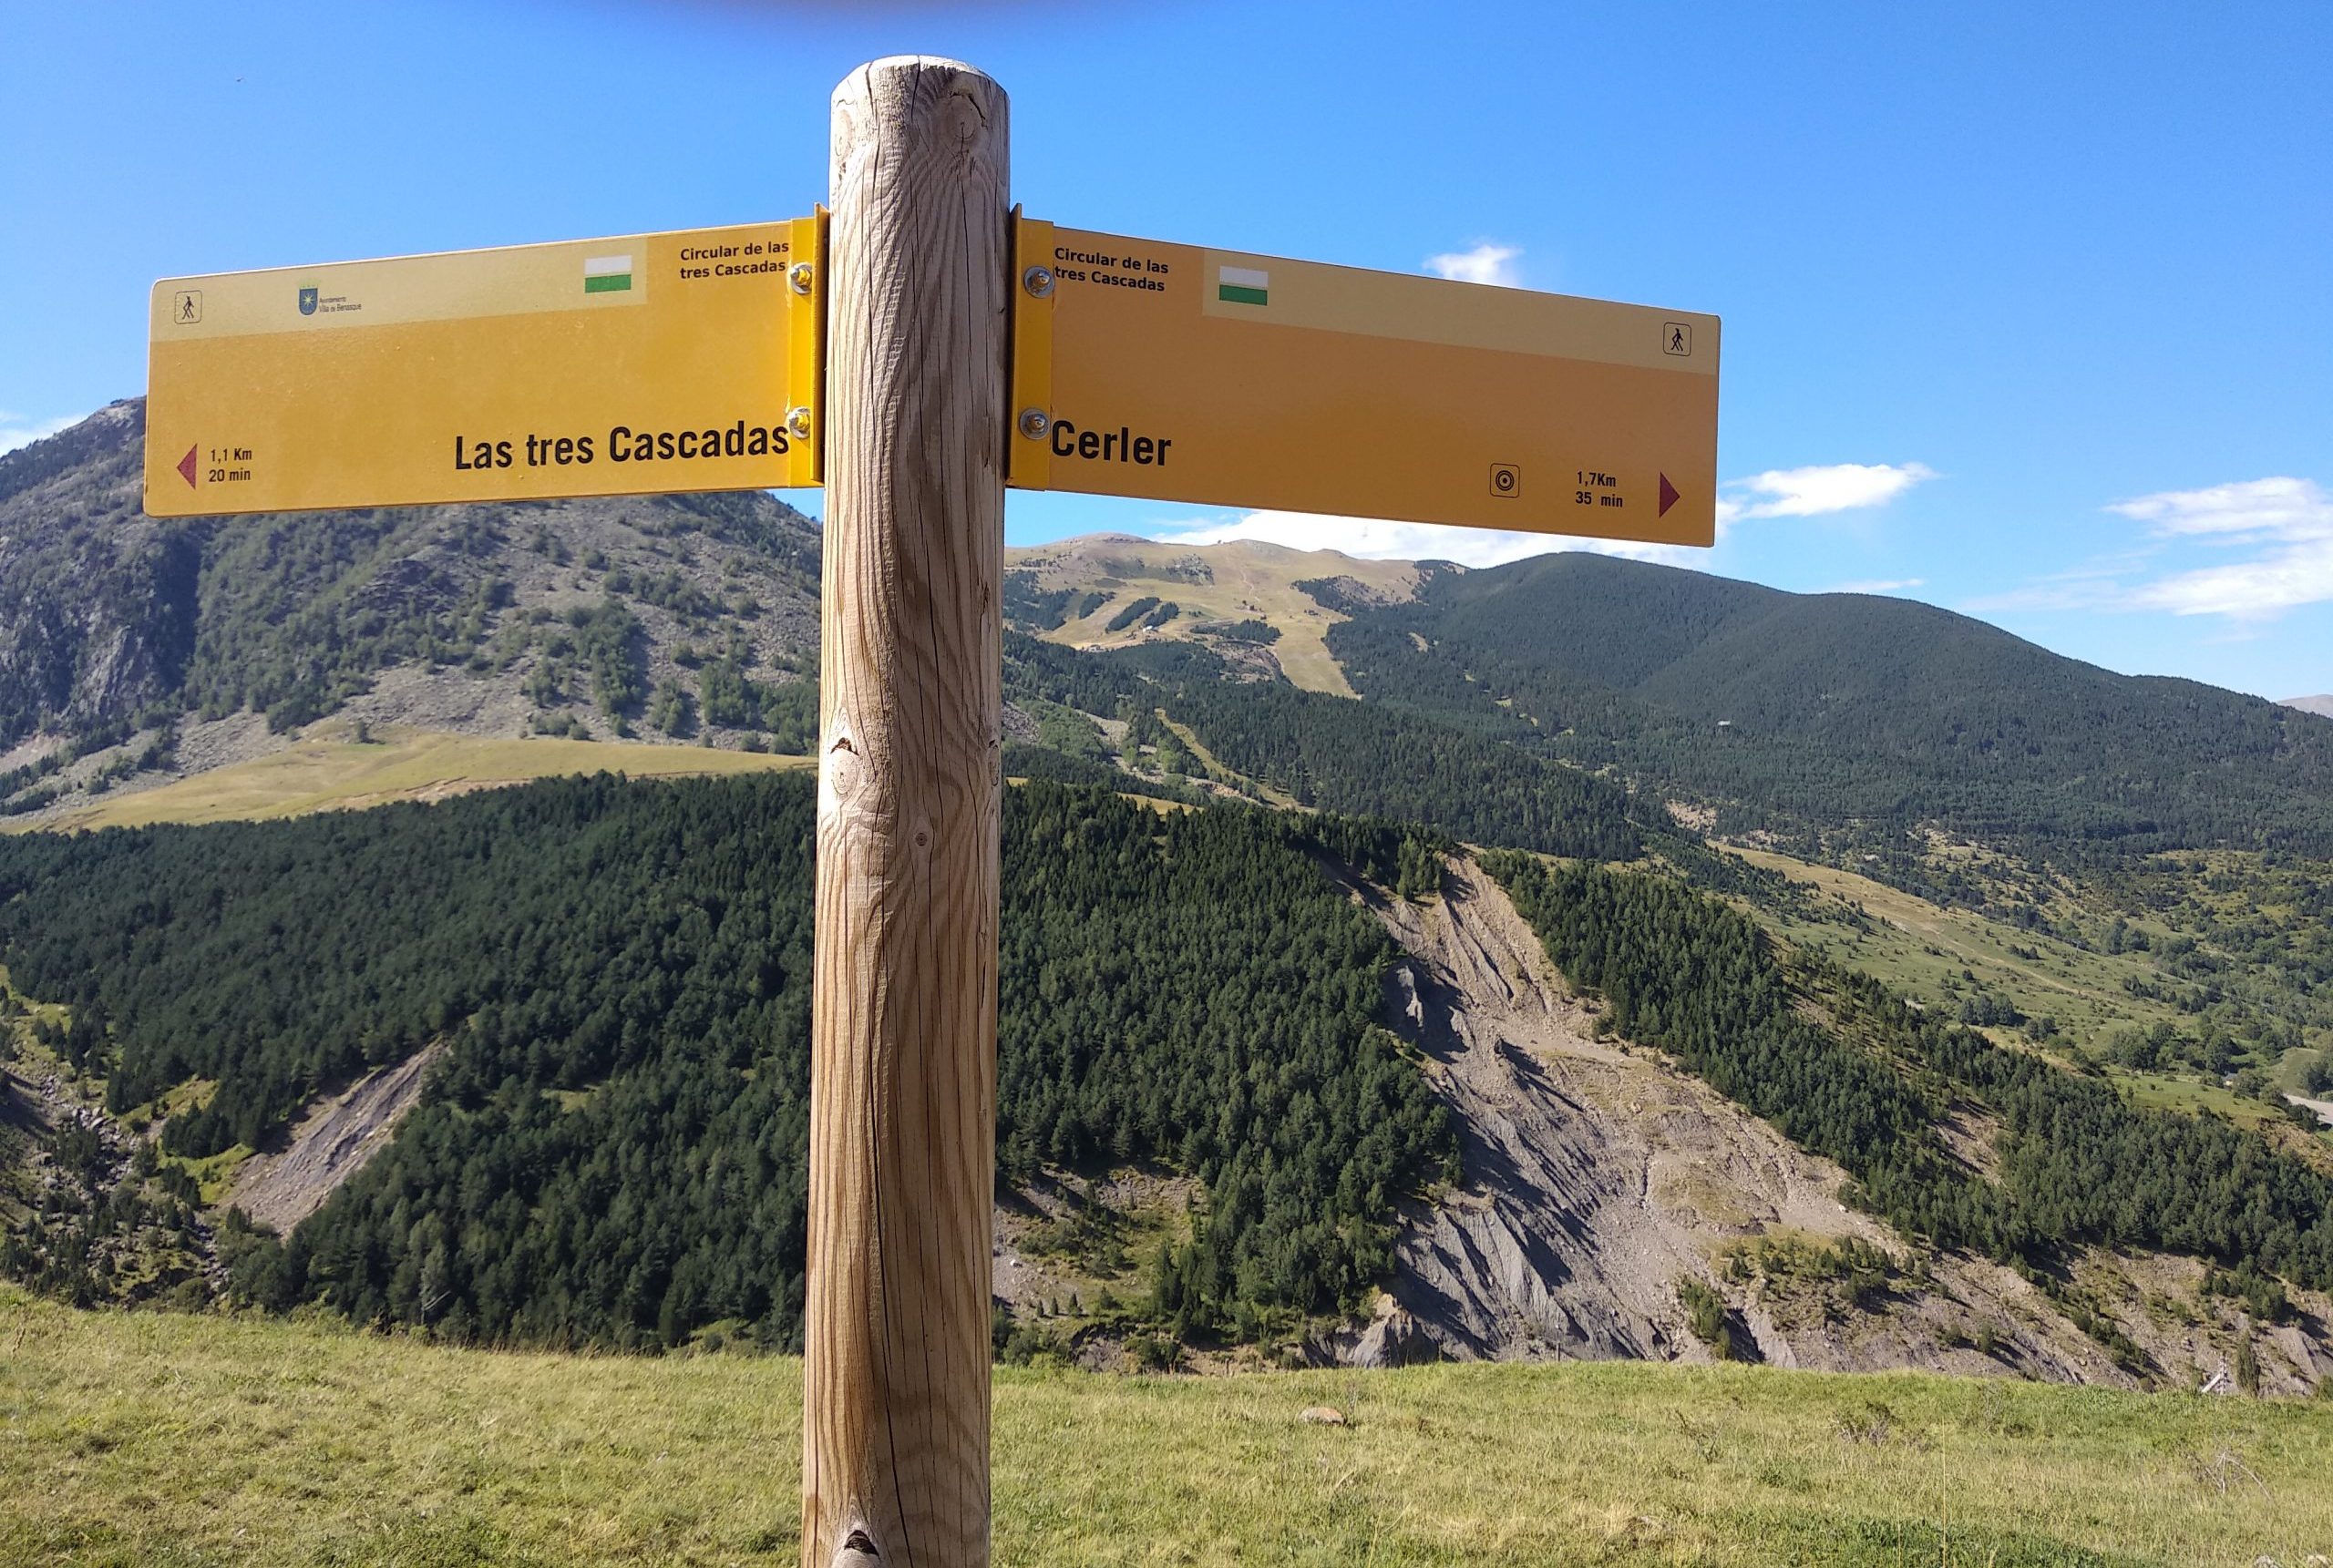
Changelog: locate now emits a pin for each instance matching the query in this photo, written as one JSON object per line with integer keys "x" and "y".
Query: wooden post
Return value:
{"x": 895, "y": 1430}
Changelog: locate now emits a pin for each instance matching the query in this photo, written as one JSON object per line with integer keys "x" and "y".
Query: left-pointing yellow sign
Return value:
{"x": 596, "y": 367}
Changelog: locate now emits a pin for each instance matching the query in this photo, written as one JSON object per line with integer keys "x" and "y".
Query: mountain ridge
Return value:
{"x": 1838, "y": 725}
{"x": 1811, "y": 714}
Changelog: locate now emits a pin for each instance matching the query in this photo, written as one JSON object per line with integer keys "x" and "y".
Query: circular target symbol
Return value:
{"x": 1506, "y": 479}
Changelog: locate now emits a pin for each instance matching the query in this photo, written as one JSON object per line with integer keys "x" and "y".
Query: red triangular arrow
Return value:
{"x": 186, "y": 471}
{"x": 1667, "y": 495}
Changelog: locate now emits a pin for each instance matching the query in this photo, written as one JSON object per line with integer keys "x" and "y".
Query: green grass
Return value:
{"x": 214, "y": 1173}
{"x": 2161, "y": 1093}
{"x": 1921, "y": 950}
{"x": 1918, "y": 947}
{"x": 174, "y": 1441}
{"x": 322, "y": 775}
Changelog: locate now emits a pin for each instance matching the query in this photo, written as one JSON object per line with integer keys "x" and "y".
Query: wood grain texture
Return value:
{"x": 903, "y": 1026}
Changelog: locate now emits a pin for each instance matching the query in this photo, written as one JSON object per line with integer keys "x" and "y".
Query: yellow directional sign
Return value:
{"x": 1180, "y": 373}
{"x": 596, "y": 367}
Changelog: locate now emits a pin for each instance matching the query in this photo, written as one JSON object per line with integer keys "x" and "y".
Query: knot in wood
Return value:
{"x": 966, "y": 121}
{"x": 857, "y": 1550}
{"x": 842, "y": 771}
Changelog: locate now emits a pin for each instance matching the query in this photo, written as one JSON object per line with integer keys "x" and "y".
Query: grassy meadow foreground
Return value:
{"x": 163, "y": 1440}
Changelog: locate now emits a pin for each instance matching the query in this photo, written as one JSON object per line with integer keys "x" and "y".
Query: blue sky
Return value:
{"x": 2026, "y": 306}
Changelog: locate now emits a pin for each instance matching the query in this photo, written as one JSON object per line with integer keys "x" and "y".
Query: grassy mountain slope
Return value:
{"x": 314, "y": 774}
{"x": 1838, "y": 724}
{"x": 271, "y": 1444}
{"x": 2209, "y": 999}
{"x": 1240, "y": 598}
{"x": 1173, "y": 714}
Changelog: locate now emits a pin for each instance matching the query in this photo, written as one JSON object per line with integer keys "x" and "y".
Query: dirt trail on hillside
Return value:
{"x": 330, "y": 1144}
{"x": 1597, "y": 1177}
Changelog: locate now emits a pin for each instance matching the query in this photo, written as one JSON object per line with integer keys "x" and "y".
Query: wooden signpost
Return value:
{"x": 895, "y": 1424}
{"x": 871, "y": 351}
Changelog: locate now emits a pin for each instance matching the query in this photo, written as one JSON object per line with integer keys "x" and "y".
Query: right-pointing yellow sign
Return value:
{"x": 1141, "y": 368}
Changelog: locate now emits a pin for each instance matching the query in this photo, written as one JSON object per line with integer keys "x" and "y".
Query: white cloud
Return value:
{"x": 1814, "y": 491}
{"x": 2299, "y": 574}
{"x": 2284, "y": 521}
{"x": 15, "y": 430}
{"x": 2284, "y": 524}
{"x": 1378, "y": 539}
{"x": 1485, "y": 263}
{"x": 1778, "y": 493}
{"x": 2247, "y": 512}
{"x": 2288, "y": 523}
{"x": 1879, "y": 585}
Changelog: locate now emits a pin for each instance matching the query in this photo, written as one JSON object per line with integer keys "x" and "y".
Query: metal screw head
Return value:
{"x": 1034, "y": 422}
{"x": 1038, "y": 280}
{"x": 800, "y": 276}
{"x": 799, "y": 421}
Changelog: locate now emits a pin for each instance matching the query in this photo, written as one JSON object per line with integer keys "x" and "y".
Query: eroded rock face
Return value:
{"x": 96, "y": 601}
{"x": 1598, "y": 1177}
{"x": 1392, "y": 1338}
{"x": 1514, "y": 1265}
{"x": 332, "y": 1143}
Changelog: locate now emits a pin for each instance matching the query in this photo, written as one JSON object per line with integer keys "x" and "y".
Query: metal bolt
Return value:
{"x": 1038, "y": 280}
{"x": 800, "y": 277}
{"x": 799, "y": 421}
{"x": 1034, "y": 422}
